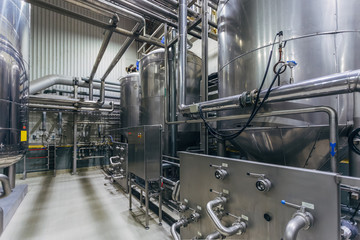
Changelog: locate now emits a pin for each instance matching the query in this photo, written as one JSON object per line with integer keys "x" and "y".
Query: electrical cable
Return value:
{"x": 222, "y": 136}
{"x": 256, "y": 108}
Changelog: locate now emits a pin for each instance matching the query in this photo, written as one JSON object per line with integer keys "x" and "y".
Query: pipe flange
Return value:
{"x": 253, "y": 95}
{"x": 308, "y": 217}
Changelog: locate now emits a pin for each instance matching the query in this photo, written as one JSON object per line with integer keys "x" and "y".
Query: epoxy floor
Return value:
{"x": 85, "y": 206}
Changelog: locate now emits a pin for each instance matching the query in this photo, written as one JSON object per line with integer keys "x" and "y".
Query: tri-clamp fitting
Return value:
{"x": 248, "y": 98}
{"x": 301, "y": 220}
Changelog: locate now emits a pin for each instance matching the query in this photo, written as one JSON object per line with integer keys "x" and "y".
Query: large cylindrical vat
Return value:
{"x": 152, "y": 75}
{"x": 323, "y": 37}
{"x": 130, "y": 100}
{"x": 14, "y": 66}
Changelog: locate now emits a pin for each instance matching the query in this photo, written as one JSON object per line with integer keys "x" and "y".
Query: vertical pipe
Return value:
{"x": 172, "y": 71}
{"x": 204, "y": 70}
{"x": 103, "y": 47}
{"x": 60, "y": 124}
{"x": 354, "y": 164}
{"x": 75, "y": 145}
{"x": 147, "y": 204}
{"x": 11, "y": 173}
{"x": 182, "y": 51}
{"x": 128, "y": 41}
{"x": 221, "y": 148}
{"x": 130, "y": 191}
{"x": 43, "y": 121}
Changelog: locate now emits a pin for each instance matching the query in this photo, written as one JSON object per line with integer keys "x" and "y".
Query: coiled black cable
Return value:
{"x": 256, "y": 108}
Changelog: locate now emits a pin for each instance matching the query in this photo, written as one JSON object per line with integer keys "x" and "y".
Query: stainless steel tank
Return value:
{"x": 323, "y": 37}
{"x": 14, "y": 65}
{"x": 152, "y": 75}
{"x": 130, "y": 100}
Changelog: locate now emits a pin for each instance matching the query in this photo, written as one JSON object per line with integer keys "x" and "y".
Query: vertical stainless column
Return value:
{"x": 147, "y": 204}
{"x": 75, "y": 145}
{"x": 354, "y": 163}
{"x": 204, "y": 70}
{"x": 182, "y": 51}
{"x": 172, "y": 76}
{"x": 221, "y": 148}
{"x": 75, "y": 130}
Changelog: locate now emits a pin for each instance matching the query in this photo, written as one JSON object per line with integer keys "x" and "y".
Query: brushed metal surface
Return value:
{"x": 322, "y": 37}
{"x": 294, "y": 185}
{"x": 152, "y": 75}
{"x": 144, "y": 152}
{"x": 14, "y": 66}
{"x": 130, "y": 89}
{"x": 121, "y": 150}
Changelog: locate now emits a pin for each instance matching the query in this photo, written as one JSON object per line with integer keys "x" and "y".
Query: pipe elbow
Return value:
{"x": 175, "y": 226}
{"x": 5, "y": 182}
{"x": 214, "y": 235}
{"x": 226, "y": 231}
{"x": 300, "y": 220}
{"x": 293, "y": 227}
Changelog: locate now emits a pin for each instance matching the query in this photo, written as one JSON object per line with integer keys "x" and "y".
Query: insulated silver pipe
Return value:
{"x": 128, "y": 41}
{"x": 47, "y": 81}
{"x": 106, "y": 5}
{"x": 143, "y": 11}
{"x": 226, "y": 231}
{"x": 152, "y": 35}
{"x": 182, "y": 51}
{"x": 334, "y": 84}
{"x": 167, "y": 13}
{"x": 204, "y": 70}
{"x": 60, "y": 107}
{"x": 93, "y": 21}
{"x": 103, "y": 47}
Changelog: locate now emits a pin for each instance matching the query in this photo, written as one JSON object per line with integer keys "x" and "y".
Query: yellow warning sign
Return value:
{"x": 23, "y": 136}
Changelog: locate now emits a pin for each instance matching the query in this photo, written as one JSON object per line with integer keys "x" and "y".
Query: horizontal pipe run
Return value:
{"x": 47, "y": 81}
{"x": 334, "y": 84}
{"x": 152, "y": 35}
{"x": 172, "y": 163}
{"x": 168, "y": 181}
{"x": 170, "y": 157}
{"x": 46, "y": 106}
{"x": 333, "y": 124}
{"x": 94, "y": 22}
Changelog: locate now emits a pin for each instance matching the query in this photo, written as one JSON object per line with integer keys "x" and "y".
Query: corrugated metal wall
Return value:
{"x": 62, "y": 45}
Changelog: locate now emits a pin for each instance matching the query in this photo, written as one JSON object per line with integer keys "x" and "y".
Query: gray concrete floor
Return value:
{"x": 85, "y": 206}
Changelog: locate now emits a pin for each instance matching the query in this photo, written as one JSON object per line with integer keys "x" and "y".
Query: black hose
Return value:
{"x": 256, "y": 108}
